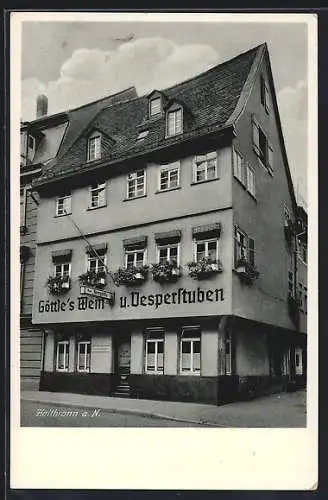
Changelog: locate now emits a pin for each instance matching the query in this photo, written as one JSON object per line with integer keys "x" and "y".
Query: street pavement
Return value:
{"x": 277, "y": 410}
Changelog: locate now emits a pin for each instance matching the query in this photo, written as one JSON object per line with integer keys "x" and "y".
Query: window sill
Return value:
{"x": 95, "y": 208}
{"x": 168, "y": 189}
{"x": 135, "y": 197}
{"x": 63, "y": 215}
{"x": 154, "y": 373}
{"x": 195, "y": 183}
{"x": 189, "y": 374}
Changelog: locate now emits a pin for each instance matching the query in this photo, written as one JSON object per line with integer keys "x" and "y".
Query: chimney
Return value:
{"x": 41, "y": 106}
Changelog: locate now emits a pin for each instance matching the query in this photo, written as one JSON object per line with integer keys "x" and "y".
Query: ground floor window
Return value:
{"x": 154, "y": 353}
{"x": 298, "y": 361}
{"x": 286, "y": 362}
{"x": 228, "y": 353}
{"x": 83, "y": 355}
{"x": 190, "y": 346}
{"x": 62, "y": 356}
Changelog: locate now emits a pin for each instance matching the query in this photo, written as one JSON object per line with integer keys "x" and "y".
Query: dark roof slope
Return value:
{"x": 209, "y": 100}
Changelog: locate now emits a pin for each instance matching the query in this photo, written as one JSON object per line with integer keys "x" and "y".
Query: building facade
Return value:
{"x": 165, "y": 242}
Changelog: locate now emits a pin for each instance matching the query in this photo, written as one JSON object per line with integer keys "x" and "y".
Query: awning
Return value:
{"x": 168, "y": 237}
{"x": 61, "y": 255}
{"x": 95, "y": 250}
{"x": 207, "y": 230}
{"x": 135, "y": 243}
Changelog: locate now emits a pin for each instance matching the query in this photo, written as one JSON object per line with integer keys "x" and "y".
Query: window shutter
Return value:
{"x": 102, "y": 196}
{"x": 270, "y": 156}
{"x": 235, "y": 245}
{"x": 68, "y": 204}
{"x": 255, "y": 130}
{"x": 251, "y": 251}
{"x": 267, "y": 99}
{"x": 234, "y": 160}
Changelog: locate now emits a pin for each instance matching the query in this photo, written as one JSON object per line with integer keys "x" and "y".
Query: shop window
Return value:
{"x": 63, "y": 205}
{"x": 167, "y": 253}
{"x": 169, "y": 177}
{"x": 62, "y": 356}
{"x": 135, "y": 258}
{"x": 97, "y": 195}
{"x": 62, "y": 270}
{"x": 298, "y": 361}
{"x": 154, "y": 353}
{"x": 174, "y": 122}
{"x": 286, "y": 363}
{"x": 190, "y": 350}
{"x": 262, "y": 146}
{"x": 205, "y": 167}
{"x": 94, "y": 148}
{"x": 244, "y": 247}
{"x": 136, "y": 184}
{"x": 83, "y": 355}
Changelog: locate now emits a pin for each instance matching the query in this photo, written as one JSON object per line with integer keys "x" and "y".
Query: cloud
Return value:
{"x": 292, "y": 102}
{"x": 90, "y": 74}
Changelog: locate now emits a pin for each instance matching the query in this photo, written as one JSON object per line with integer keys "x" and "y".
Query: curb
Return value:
{"x": 127, "y": 411}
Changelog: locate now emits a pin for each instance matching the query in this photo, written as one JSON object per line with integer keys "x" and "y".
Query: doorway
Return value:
{"x": 123, "y": 358}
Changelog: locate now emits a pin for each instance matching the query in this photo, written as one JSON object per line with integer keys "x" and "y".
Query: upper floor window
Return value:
{"x": 22, "y": 207}
{"x": 154, "y": 352}
{"x": 291, "y": 283}
{"x": 97, "y": 195}
{"x": 64, "y": 204}
{"x": 168, "y": 253}
{"x": 83, "y": 355}
{"x": 205, "y": 167}
{"x": 155, "y": 106}
{"x": 142, "y": 135}
{"x": 238, "y": 169}
{"x": 244, "y": 247}
{"x": 265, "y": 97}
{"x": 94, "y": 148}
{"x": 174, "y": 122}
{"x": 250, "y": 179}
{"x": 262, "y": 146}
{"x": 190, "y": 346}
{"x": 62, "y": 356}
{"x": 302, "y": 250}
{"x": 206, "y": 249}
{"x": 31, "y": 143}
{"x": 135, "y": 258}
{"x": 169, "y": 177}
{"x": 62, "y": 270}
{"x": 244, "y": 172}
{"x": 136, "y": 184}
{"x": 96, "y": 264}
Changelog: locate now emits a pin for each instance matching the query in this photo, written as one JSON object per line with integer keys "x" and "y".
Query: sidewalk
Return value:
{"x": 277, "y": 410}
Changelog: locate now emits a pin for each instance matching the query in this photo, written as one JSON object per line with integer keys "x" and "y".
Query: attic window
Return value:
{"x": 174, "y": 122}
{"x": 94, "y": 148}
{"x": 142, "y": 135}
{"x": 155, "y": 106}
{"x": 265, "y": 95}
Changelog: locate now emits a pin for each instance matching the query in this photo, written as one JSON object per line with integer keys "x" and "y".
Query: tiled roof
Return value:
{"x": 209, "y": 100}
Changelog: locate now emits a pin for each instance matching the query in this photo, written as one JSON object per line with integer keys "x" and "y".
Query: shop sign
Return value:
{"x": 96, "y": 292}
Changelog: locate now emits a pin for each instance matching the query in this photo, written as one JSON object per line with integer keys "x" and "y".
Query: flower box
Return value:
{"x": 246, "y": 271}
{"x": 58, "y": 285}
{"x": 92, "y": 278}
{"x": 204, "y": 268}
{"x": 168, "y": 272}
{"x": 131, "y": 276}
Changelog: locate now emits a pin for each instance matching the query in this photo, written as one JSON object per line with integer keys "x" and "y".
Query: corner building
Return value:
{"x": 163, "y": 248}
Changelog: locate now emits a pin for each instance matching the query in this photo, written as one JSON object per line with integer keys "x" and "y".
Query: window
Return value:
{"x": 206, "y": 249}
{"x": 286, "y": 362}
{"x": 62, "y": 356}
{"x": 286, "y": 214}
{"x": 83, "y": 355}
{"x": 31, "y": 142}
{"x": 142, "y": 135}
{"x": 302, "y": 250}
{"x": 135, "y": 258}
{"x": 262, "y": 146}
{"x": 238, "y": 170}
{"x": 244, "y": 247}
{"x": 136, "y": 185}
{"x": 190, "y": 352}
{"x": 63, "y": 205}
{"x": 62, "y": 270}
{"x": 291, "y": 284}
{"x": 300, "y": 296}
{"x": 155, "y": 106}
{"x": 168, "y": 253}
{"x": 154, "y": 355}
{"x": 305, "y": 300}
{"x": 228, "y": 353}
{"x": 22, "y": 207}
{"x": 97, "y": 195}
{"x": 94, "y": 148}
{"x": 298, "y": 361}
{"x": 250, "y": 179}
{"x": 205, "y": 167}
{"x": 265, "y": 99}
{"x": 96, "y": 264}
{"x": 169, "y": 177}
{"x": 174, "y": 122}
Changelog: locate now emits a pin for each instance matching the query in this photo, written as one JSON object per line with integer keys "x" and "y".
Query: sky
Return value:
{"x": 77, "y": 62}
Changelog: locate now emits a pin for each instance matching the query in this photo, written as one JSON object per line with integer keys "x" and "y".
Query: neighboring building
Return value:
{"x": 41, "y": 142}
{"x": 193, "y": 182}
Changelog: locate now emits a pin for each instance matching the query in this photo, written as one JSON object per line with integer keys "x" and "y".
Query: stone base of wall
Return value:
{"x": 250, "y": 387}
{"x": 101, "y": 384}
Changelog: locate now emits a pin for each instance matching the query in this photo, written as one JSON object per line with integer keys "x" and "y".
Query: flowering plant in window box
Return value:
{"x": 58, "y": 285}
{"x": 131, "y": 275}
{"x": 92, "y": 278}
{"x": 167, "y": 272}
{"x": 204, "y": 267}
{"x": 246, "y": 271}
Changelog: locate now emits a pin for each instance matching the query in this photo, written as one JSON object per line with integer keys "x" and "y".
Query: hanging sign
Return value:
{"x": 96, "y": 292}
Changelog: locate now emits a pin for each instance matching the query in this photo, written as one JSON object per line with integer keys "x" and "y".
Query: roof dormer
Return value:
{"x": 156, "y": 103}
{"x": 174, "y": 118}
{"x": 97, "y": 145}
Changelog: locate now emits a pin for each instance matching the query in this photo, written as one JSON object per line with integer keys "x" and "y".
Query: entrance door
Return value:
{"x": 124, "y": 357}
